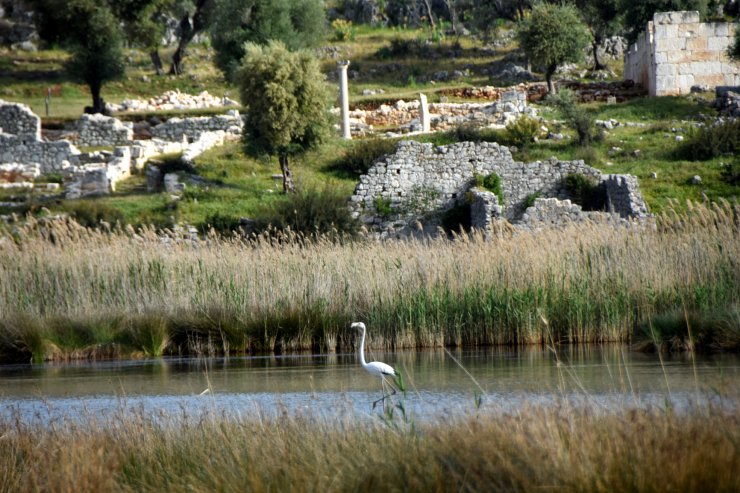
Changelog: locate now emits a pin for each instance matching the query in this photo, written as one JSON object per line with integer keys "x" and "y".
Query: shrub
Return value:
{"x": 470, "y": 132}
{"x": 522, "y": 131}
{"x": 90, "y": 213}
{"x": 343, "y": 30}
{"x": 731, "y": 172}
{"x": 401, "y": 48}
{"x": 585, "y": 192}
{"x": 315, "y": 212}
{"x": 222, "y": 223}
{"x": 492, "y": 183}
{"x": 362, "y": 154}
{"x": 383, "y": 206}
{"x": 529, "y": 199}
{"x": 580, "y": 120}
{"x": 712, "y": 141}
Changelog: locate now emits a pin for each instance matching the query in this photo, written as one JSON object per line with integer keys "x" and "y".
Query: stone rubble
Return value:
{"x": 172, "y": 100}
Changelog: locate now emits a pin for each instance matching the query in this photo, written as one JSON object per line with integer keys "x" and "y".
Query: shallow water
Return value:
{"x": 439, "y": 383}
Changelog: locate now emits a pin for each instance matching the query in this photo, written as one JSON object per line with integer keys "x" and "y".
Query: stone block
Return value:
{"x": 680, "y": 17}
{"x": 718, "y": 43}
{"x": 698, "y": 43}
{"x": 666, "y": 69}
{"x": 720, "y": 29}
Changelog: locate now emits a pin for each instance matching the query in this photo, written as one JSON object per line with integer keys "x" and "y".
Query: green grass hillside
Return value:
{"x": 402, "y": 63}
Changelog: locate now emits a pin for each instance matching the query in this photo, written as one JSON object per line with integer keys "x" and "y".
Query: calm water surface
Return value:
{"x": 439, "y": 383}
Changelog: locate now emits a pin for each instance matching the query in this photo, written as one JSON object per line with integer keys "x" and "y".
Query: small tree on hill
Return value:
{"x": 602, "y": 18}
{"x": 553, "y": 35}
{"x": 286, "y": 103}
{"x": 97, "y": 53}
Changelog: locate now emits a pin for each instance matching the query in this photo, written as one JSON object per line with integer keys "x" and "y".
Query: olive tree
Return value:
{"x": 299, "y": 24}
{"x": 286, "y": 102}
{"x": 552, "y": 35}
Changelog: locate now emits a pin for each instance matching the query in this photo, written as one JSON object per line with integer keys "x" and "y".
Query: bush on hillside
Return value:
{"x": 585, "y": 192}
{"x": 712, "y": 141}
{"x": 362, "y": 154}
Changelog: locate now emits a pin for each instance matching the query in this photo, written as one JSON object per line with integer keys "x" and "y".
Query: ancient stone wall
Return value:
{"x": 419, "y": 182}
{"x": 19, "y": 120}
{"x": 190, "y": 129}
{"x": 677, "y": 52}
{"x": 101, "y": 130}
{"x": 51, "y": 156}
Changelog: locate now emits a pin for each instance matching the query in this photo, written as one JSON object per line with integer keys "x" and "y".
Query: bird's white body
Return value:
{"x": 377, "y": 368}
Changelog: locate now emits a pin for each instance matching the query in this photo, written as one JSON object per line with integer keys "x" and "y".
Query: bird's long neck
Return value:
{"x": 362, "y": 349}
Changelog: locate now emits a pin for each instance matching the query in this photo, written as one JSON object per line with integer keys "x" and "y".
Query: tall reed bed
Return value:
{"x": 557, "y": 448}
{"x": 68, "y": 290}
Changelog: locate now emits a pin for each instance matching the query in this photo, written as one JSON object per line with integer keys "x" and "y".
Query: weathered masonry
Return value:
{"x": 409, "y": 192}
{"x": 677, "y": 52}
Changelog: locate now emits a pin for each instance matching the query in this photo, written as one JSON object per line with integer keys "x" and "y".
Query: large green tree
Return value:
{"x": 637, "y": 14}
{"x": 552, "y": 35}
{"x": 298, "y": 24}
{"x": 286, "y": 101}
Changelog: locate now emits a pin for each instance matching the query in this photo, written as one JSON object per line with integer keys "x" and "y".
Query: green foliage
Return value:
{"x": 220, "y": 222}
{"x": 522, "y": 131}
{"x": 286, "y": 102}
{"x": 343, "y": 30}
{"x": 585, "y": 192}
{"x": 383, "y": 206}
{"x": 529, "y": 199}
{"x": 554, "y": 34}
{"x": 316, "y": 212}
{"x": 733, "y": 51}
{"x": 603, "y": 20}
{"x": 731, "y": 172}
{"x": 362, "y": 154}
{"x": 578, "y": 118}
{"x": 91, "y": 213}
{"x": 96, "y": 45}
{"x": 297, "y": 24}
{"x": 638, "y": 14}
{"x": 721, "y": 139}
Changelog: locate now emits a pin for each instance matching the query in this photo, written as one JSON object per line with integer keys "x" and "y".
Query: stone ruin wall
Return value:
{"x": 101, "y": 130}
{"x": 420, "y": 181}
{"x": 23, "y": 153}
{"x": 19, "y": 120}
{"x": 677, "y": 52}
{"x": 191, "y": 129}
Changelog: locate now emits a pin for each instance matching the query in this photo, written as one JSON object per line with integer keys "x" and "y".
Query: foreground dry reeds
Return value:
{"x": 558, "y": 448}
{"x": 66, "y": 291}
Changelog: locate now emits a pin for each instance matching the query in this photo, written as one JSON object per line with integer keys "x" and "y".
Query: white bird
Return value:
{"x": 377, "y": 368}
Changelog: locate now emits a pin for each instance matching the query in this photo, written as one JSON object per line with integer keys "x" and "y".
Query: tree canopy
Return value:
{"x": 552, "y": 35}
{"x": 298, "y": 24}
{"x": 286, "y": 102}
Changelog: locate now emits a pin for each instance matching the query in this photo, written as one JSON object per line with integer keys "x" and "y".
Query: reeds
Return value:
{"x": 156, "y": 293}
{"x": 553, "y": 448}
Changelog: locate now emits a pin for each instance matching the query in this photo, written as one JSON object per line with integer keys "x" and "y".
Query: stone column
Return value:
{"x": 344, "y": 98}
{"x": 424, "y": 113}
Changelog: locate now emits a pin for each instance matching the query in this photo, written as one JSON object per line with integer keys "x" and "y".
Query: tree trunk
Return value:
{"x": 156, "y": 61}
{"x": 188, "y": 29}
{"x": 431, "y": 16}
{"x": 98, "y": 105}
{"x": 186, "y": 35}
{"x": 453, "y": 16}
{"x": 595, "y": 46}
{"x": 288, "y": 185}
{"x": 548, "y": 76}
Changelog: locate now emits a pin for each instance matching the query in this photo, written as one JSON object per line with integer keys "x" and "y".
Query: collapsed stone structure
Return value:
{"x": 25, "y": 155}
{"x": 677, "y": 52}
{"x": 408, "y": 193}
{"x": 405, "y": 116}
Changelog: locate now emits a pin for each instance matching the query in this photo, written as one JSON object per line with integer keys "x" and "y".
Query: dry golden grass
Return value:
{"x": 559, "y": 448}
{"x": 74, "y": 287}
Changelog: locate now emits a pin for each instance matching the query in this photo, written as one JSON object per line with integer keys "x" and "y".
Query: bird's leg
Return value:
{"x": 383, "y": 383}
